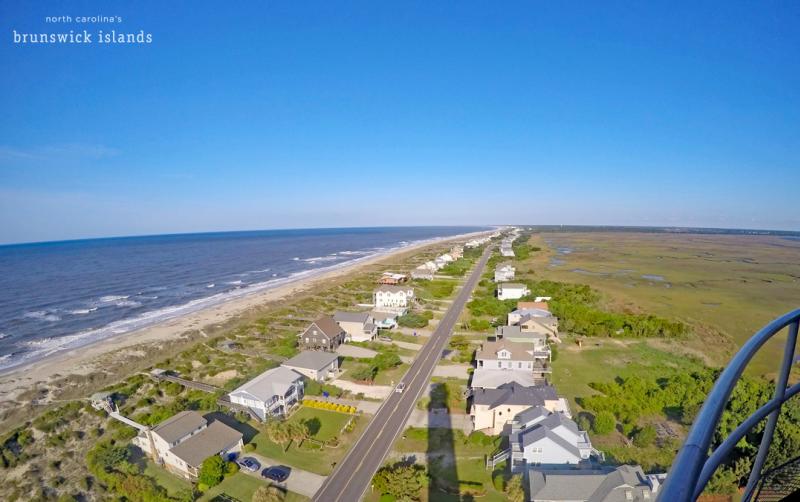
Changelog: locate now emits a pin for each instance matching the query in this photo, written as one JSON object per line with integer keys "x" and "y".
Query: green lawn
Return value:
{"x": 307, "y": 455}
{"x": 330, "y": 422}
{"x": 173, "y": 484}
{"x": 241, "y": 487}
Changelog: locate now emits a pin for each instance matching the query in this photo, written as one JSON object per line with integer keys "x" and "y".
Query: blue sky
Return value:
{"x": 275, "y": 114}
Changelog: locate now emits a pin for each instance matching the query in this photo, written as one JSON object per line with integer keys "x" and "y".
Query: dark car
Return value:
{"x": 249, "y": 464}
{"x": 277, "y": 473}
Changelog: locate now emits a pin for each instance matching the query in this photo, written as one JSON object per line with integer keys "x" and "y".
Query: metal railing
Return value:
{"x": 693, "y": 466}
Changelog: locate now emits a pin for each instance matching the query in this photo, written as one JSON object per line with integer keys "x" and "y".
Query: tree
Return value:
{"x": 212, "y": 470}
{"x": 278, "y": 432}
{"x": 604, "y": 423}
{"x": 267, "y": 494}
{"x": 298, "y": 430}
{"x": 514, "y": 489}
{"x": 401, "y": 480}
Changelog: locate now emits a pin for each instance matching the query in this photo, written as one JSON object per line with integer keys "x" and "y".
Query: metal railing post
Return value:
{"x": 772, "y": 420}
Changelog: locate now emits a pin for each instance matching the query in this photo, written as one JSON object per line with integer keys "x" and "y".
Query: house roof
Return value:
{"x": 311, "y": 360}
{"x": 342, "y": 316}
{"x": 533, "y": 305}
{"x": 381, "y": 316}
{"x": 516, "y": 332}
{"x": 515, "y": 394}
{"x": 326, "y": 325}
{"x": 540, "y": 431}
{"x": 532, "y": 313}
{"x": 600, "y": 485}
{"x": 178, "y": 426}
{"x": 393, "y": 289}
{"x": 274, "y": 382}
{"x": 529, "y": 415}
{"x": 502, "y": 266}
{"x": 492, "y": 378}
{"x": 210, "y": 441}
{"x": 512, "y": 285}
{"x": 519, "y": 351}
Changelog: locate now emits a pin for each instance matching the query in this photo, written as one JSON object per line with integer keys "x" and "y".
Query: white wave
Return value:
{"x": 42, "y": 315}
{"x": 128, "y": 303}
{"x": 296, "y": 258}
{"x": 211, "y": 285}
{"x": 3, "y": 336}
{"x": 45, "y": 347}
{"x": 318, "y": 259}
{"x": 234, "y": 283}
{"x": 82, "y": 311}
{"x": 112, "y": 298}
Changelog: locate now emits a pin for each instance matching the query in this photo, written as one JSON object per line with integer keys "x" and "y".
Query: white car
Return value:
{"x": 400, "y": 388}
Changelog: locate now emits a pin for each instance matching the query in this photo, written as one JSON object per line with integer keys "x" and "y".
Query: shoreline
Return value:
{"x": 82, "y": 360}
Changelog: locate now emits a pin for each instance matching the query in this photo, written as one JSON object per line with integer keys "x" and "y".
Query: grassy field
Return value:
{"x": 330, "y": 422}
{"x": 171, "y": 482}
{"x": 723, "y": 286}
{"x": 309, "y": 456}
{"x": 241, "y": 487}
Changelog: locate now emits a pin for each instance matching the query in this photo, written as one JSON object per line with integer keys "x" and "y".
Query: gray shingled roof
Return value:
{"x": 326, "y": 325}
{"x": 513, "y": 393}
{"x": 210, "y": 441}
{"x": 177, "y": 426}
{"x": 601, "y": 485}
{"x": 342, "y": 316}
{"x": 312, "y": 360}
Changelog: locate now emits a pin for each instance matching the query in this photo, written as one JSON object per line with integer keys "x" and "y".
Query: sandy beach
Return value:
{"x": 94, "y": 357}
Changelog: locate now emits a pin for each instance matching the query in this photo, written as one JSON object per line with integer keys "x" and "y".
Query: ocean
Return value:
{"x": 56, "y": 296}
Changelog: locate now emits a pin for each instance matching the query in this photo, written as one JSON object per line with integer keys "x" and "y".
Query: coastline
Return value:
{"x": 85, "y": 359}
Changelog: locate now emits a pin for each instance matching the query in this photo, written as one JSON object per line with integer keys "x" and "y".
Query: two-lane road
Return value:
{"x": 353, "y": 475}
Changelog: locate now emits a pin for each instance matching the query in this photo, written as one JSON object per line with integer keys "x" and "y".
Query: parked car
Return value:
{"x": 249, "y": 464}
{"x": 400, "y": 388}
{"x": 277, "y": 473}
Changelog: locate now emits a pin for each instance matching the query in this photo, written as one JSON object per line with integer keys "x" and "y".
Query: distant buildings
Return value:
{"x": 358, "y": 326}
{"x": 314, "y": 364}
{"x": 271, "y": 393}
{"x": 422, "y": 272}
{"x": 323, "y": 334}
{"x": 181, "y": 443}
{"x": 512, "y": 291}
{"x": 392, "y": 279}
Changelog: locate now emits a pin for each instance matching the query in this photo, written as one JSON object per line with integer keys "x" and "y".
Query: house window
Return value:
{"x": 519, "y": 365}
{"x": 499, "y": 364}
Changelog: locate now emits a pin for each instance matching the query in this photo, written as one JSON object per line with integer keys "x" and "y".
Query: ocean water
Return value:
{"x": 61, "y": 295}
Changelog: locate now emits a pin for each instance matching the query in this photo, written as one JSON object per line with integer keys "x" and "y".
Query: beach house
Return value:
{"x": 457, "y": 252}
{"x": 504, "y": 272}
{"x": 323, "y": 334}
{"x": 512, "y": 291}
{"x": 181, "y": 443}
{"x": 541, "y": 437}
{"x": 394, "y": 299}
{"x": 516, "y": 315}
{"x": 271, "y": 393}
{"x": 392, "y": 278}
{"x": 535, "y": 340}
{"x": 493, "y": 409}
{"x": 317, "y": 365}
{"x": 626, "y": 483}
{"x": 358, "y": 326}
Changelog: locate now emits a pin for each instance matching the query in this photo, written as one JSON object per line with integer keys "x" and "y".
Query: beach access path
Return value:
{"x": 353, "y": 475}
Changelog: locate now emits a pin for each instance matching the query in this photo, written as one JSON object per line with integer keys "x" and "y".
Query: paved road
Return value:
{"x": 353, "y": 475}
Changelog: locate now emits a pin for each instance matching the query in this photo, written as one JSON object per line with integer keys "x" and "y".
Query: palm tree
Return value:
{"x": 278, "y": 432}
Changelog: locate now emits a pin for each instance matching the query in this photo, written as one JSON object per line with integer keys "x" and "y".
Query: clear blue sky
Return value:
{"x": 273, "y": 114}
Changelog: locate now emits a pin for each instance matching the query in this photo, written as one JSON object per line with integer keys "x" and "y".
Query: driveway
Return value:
{"x": 372, "y": 391}
{"x": 354, "y": 351}
{"x": 452, "y": 371}
{"x": 440, "y": 420}
{"x": 299, "y": 481}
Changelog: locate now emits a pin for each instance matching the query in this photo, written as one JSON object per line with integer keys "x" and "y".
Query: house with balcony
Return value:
{"x": 395, "y": 299}
{"x": 270, "y": 394}
{"x": 626, "y": 483}
{"x": 493, "y": 409}
{"x": 540, "y": 437}
{"x": 502, "y": 355}
{"x": 535, "y": 339}
{"x": 182, "y": 442}
{"x": 512, "y": 291}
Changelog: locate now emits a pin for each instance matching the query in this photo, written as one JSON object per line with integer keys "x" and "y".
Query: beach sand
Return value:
{"x": 95, "y": 357}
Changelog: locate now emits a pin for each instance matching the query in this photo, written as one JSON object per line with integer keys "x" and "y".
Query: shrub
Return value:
{"x": 645, "y": 436}
{"x": 212, "y": 471}
{"x": 604, "y": 423}
{"x": 249, "y": 448}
